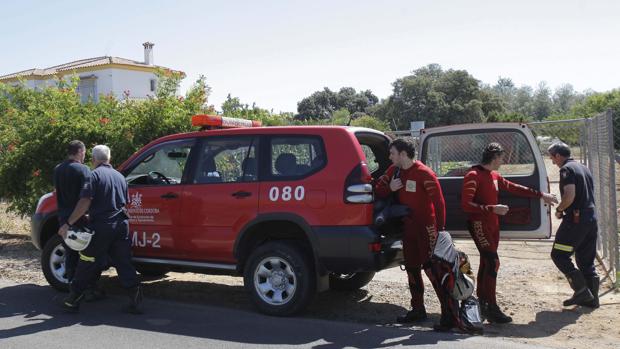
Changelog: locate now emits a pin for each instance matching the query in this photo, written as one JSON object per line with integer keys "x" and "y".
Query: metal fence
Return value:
{"x": 592, "y": 143}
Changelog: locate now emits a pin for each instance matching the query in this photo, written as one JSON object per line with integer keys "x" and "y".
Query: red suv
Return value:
{"x": 288, "y": 208}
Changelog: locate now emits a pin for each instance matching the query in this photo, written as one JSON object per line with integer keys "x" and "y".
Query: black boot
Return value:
{"x": 71, "y": 304}
{"x": 493, "y": 314}
{"x": 446, "y": 323}
{"x": 582, "y": 295}
{"x": 415, "y": 315}
{"x": 135, "y": 301}
{"x": 93, "y": 294}
{"x": 593, "y": 284}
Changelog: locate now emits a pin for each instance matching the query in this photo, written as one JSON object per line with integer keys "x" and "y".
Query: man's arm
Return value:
{"x": 433, "y": 189}
{"x": 80, "y": 209}
{"x": 567, "y": 199}
{"x": 382, "y": 186}
{"x": 520, "y": 190}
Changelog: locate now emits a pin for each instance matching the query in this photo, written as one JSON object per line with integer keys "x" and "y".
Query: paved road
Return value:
{"x": 30, "y": 317}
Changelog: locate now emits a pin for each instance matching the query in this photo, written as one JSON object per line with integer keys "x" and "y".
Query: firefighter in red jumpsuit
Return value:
{"x": 479, "y": 199}
{"x": 417, "y": 187}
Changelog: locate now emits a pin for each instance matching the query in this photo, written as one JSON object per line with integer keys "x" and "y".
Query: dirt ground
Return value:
{"x": 530, "y": 289}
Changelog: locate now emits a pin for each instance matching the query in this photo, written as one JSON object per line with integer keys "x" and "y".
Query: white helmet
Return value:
{"x": 78, "y": 238}
{"x": 463, "y": 288}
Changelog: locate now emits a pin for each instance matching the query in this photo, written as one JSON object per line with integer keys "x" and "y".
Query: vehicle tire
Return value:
{"x": 149, "y": 270}
{"x": 53, "y": 263}
{"x": 280, "y": 278}
{"x": 349, "y": 282}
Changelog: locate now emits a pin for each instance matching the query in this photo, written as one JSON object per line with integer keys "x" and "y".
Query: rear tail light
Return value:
{"x": 357, "y": 187}
{"x": 374, "y": 247}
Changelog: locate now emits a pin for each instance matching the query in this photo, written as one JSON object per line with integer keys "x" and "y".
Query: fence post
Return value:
{"x": 613, "y": 210}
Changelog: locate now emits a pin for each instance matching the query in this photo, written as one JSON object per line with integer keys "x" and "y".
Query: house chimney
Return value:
{"x": 148, "y": 53}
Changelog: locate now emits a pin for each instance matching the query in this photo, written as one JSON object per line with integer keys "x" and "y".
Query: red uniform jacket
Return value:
{"x": 421, "y": 192}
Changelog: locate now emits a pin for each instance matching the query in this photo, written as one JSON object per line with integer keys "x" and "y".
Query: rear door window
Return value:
{"x": 375, "y": 148}
{"x": 451, "y": 155}
{"x": 294, "y": 157}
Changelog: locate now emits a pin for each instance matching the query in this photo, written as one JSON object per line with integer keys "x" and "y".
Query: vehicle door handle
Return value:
{"x": 241, "y": 194}
{"x": 169, "y": 196}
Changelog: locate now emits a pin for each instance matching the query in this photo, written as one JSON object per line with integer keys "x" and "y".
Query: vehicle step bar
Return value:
{"x": 185, "y": 263}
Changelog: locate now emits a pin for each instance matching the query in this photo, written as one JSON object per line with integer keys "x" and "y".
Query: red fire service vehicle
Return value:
{"x": 288, "y": 208}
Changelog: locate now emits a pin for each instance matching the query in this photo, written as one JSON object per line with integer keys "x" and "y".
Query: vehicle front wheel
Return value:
{"x": 53, "y": 263}
{"x": 280, "y": 278}
{"x": 350, "y": 282}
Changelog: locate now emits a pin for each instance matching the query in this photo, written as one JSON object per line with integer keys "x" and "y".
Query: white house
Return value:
{"x": 100, "y": 75}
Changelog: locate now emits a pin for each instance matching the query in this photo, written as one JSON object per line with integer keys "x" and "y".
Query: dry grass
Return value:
{"x": 11, "y": 223}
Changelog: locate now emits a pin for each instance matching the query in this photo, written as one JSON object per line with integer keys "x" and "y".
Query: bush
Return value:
{"x": 36, "y": 125}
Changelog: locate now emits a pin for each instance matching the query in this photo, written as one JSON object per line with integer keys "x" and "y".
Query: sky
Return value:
{"x": 275, "y": 53}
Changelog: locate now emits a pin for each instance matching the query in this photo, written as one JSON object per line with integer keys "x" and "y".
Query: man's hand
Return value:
{"x": 559, "y": 214}
{"x": 395, "y": 184}
{"x": 549, "y": 198}
{"x": 62, "y": 231}
{"x": 500, "y": 210}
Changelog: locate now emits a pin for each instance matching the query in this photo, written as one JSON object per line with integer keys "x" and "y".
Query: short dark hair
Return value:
{"x": 559, "y": 148}
{"x": 404, "y": 145}
{"x": 490, "y": 152}
{"x": 74, "y": 147}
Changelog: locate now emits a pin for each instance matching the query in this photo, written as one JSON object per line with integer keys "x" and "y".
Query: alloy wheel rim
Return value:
{"x": 275, "y": 281}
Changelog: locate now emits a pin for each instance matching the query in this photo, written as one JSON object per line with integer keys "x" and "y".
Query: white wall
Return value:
{"x": 138, "y": 83}
{"x": 112, "y": 80}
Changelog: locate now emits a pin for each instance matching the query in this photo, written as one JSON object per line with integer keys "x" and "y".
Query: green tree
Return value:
{"x": 598, "y": 103}
{"x": 542, "y": 104}
{"x": 437, "y": 97}
{"x": 323, "y": 104}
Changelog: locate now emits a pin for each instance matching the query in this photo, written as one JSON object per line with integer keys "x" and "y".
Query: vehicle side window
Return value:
{"x": 163, "y": 166}
{"x": 296, "y": 156}
{"x": 451, "y": 155}
{"x": 226, "y": 160}
{"x": 371, "y": 159}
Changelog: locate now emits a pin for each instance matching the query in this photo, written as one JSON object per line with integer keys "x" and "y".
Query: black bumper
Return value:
{"x": 37, "y": 222}
{"x": 348, "y": 250}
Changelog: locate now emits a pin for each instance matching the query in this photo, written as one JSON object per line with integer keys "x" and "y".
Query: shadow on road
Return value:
{"x": 545, "y": 324}
{"x": 37, "y": 309}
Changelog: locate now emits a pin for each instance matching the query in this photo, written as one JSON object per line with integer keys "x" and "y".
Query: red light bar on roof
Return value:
{"x": 216, "y": 121}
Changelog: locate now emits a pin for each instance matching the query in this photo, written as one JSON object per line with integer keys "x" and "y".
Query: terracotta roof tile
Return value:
{"x": 82, "y": 63}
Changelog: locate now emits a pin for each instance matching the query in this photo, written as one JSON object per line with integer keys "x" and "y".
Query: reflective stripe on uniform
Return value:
{"x": 565, "y": 248}
{"x": 85, "y": 258}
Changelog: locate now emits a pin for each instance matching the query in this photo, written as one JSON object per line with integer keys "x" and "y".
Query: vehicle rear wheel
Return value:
{"x": 53, "y": 263}
{"x": 280, "y": 278}
{"x": 350, "y": 282}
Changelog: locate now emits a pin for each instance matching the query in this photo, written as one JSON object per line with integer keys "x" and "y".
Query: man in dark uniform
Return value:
{"x": 578, "y": 231}
{"x": 69, "y": 177}
{"x": 104, "y": 197}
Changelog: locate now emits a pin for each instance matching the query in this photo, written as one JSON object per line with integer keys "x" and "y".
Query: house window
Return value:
{"x": 87, "y": 88}
{"x": 153, "y": 85}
